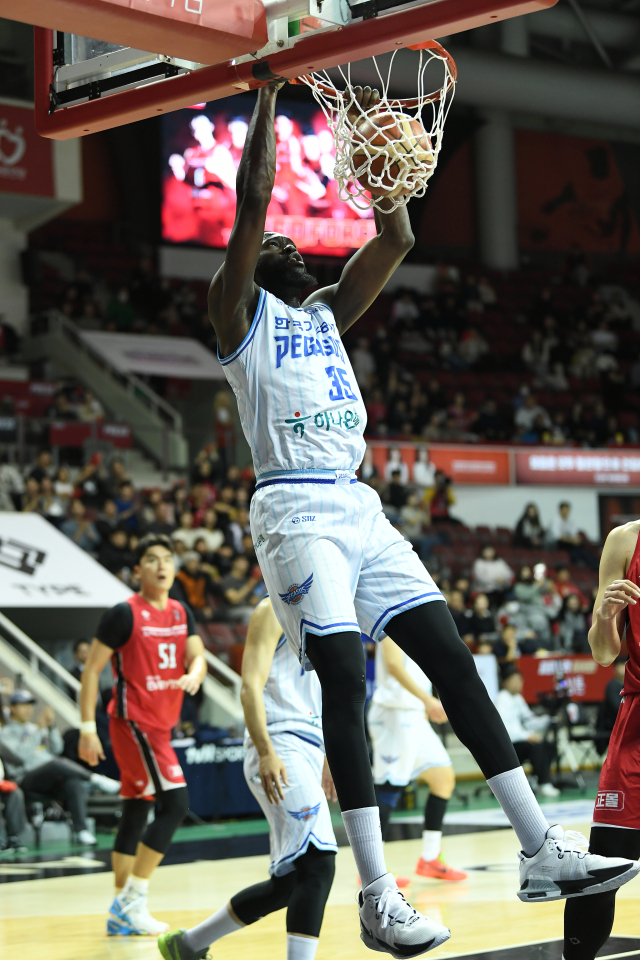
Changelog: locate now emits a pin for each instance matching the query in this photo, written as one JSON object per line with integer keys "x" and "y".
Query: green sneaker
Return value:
{"x": 172, "y": 947}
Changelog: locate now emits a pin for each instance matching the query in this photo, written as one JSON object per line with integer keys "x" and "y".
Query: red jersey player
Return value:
{"x": 616, "y": 827}
{"x": 156, "y": 656}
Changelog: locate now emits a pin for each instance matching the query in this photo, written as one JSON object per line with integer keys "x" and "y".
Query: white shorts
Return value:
{"x": 404, "y": 745}
{"x": 303, "y": 817}
{"x": 331, "y": 560}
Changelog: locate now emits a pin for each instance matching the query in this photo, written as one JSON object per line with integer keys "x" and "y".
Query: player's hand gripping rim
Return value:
{"x": 90, "y": 749}
{"x": 273, "y": 775}
{"x": 618, "y": 595}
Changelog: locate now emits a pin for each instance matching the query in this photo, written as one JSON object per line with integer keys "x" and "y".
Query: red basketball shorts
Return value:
{"x": 146, "y": 760}
{"x": 618, "y": 800}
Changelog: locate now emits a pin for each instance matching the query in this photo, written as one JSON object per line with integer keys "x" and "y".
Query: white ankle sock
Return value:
{"x": 221, "y": 924}
{"x": 301, "y": 948}
{"x": 431, "y": 844}
{"x": 135, "y": 887}
{"x": 365, "y": 839}
{"x": 515, "y": 796}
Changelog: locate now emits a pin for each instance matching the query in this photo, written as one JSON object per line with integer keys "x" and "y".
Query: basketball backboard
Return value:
{"x": 208, "y": 49}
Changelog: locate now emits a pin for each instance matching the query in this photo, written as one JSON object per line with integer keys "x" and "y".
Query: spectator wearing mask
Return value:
{"x": 565, "y": 535}
{"x": 573, "y": 626}
{"x": 90, "y": 410}
{"x": 424, "y": 472}
{"x": 195, "y": 587}
{"x": 529, "y": 531}
{"x": 394, "y": 464}
{"x": 239, "y": 590}
{"x": 62, "y": 486}
{"x": 79, "y": 529}
{"x": 42, "y": 770}
{"x": 127, "y": 507}
{"x": 525, "y": 731}
{"x": 115, "y": 554}
{"x": 51, "y": 506}
{"x": 491, "y": 575}
{"x": 529, "y": 594}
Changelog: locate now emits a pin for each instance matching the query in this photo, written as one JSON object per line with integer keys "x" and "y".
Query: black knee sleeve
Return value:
{"x": 315, "y": 871}
{"x": 339, "y": 661}
{"x": 172, "y": 807}
{"x": 135, "y": 814}
{"x": 254, "y": 903}
{"x": 429, "y": 636}
{"x": 588, "y": 921}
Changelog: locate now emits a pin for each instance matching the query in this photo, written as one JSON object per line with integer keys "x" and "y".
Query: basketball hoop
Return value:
{"x": 387, "y": 152}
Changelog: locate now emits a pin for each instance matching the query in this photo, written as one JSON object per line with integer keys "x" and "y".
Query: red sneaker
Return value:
{"x": 439, "y": 870}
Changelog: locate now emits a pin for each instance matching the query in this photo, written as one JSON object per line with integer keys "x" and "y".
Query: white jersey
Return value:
{"x": 298, "y": 399}
{"x": 292, "y": 698}
{"x": 389, "y": 693}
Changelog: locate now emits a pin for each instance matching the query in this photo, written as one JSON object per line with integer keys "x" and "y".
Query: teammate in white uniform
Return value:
{"x": 406, "y": 748}
{"x": 333, "y": 564}
{"x": 286, "y": 771}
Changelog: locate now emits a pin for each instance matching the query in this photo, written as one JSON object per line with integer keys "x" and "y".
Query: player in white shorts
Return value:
{"x": 406, "y": 748}
{"x": 333, "y": 565}
{"x": 286, "y": 771}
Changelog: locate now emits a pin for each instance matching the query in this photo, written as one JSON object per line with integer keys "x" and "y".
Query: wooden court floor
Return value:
{"x": 64, "y": 918}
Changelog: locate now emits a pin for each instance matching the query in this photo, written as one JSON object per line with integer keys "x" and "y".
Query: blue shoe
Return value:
{"x": 132, "y": 919}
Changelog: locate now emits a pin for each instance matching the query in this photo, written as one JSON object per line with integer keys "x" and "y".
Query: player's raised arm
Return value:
{"x": 262, "y": 639}
{"x": 233, "y": 295}
{"x": 615, "y": 594}
{"x": 368, "y": 271}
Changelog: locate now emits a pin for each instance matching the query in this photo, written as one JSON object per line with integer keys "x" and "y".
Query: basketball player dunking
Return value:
{"x": 616, "y": 827}
{"x": 334, "y": 566}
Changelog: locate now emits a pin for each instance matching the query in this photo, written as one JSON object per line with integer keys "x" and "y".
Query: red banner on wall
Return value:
{"x": 76, "y": 434}
{"x": 586, "y": 680}
{"x": 26, "y": 160}
{"x": 589, "y": 467}
{"x": 464, "y": 464}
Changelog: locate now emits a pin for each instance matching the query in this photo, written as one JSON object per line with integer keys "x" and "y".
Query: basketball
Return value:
{"x": 389, "y": 147}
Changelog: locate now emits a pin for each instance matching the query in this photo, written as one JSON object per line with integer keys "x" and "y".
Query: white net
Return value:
{"x": 386, "y": 153}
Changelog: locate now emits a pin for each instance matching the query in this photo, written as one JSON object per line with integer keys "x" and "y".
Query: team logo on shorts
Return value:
{"x": 610, "y": 800}
{"x": 390, "y": 760}
{"x": 307, "y": 813}
{"x": 296, "y": 591}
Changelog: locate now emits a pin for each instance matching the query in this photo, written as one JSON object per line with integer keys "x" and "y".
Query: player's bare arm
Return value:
{"x": 233, "y": 295}
{"x": 615, "y": 593}
{"x": 196, "y": 665}
{"x": 394, "y": 660}
{"x": 262, "y": 639}
{"x": 89, "y": 746}
{"x": 368, "y": 271}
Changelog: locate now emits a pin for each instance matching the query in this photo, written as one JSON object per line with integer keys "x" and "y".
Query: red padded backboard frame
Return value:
{"x": 313, "y": 52}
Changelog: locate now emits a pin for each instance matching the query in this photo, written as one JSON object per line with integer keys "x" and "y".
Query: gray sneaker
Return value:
{"x": 389, "y": 924}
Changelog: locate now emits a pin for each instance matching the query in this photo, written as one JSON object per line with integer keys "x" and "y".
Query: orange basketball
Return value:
{"x": 389, "y": 147}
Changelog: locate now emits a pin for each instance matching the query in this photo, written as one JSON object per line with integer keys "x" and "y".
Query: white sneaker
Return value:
{"x": 133, "y": 919}
{"x": 562, "y": 868}
{"x": 86, "y": 838}
{"x": 389, "y": 924}
{"x": 105, "y": 784}
{"x": 548, "y": 790}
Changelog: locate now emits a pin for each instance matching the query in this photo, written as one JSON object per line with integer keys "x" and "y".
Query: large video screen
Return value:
{"x": 202, "y": 147}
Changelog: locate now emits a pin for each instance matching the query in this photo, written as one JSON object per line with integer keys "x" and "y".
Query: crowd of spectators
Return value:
{"x": 101, "y": 509}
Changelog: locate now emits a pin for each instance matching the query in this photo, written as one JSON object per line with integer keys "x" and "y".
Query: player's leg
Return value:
{"x": 314, "y": 876}
{"x": 339, "y": 661}
{"x": 441, "y": 782}
{"x": 588, "y": 920}
{"x": 428, "y": 635}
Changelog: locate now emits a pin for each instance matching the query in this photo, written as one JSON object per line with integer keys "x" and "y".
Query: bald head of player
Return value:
{"x": 281, "y": 270}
